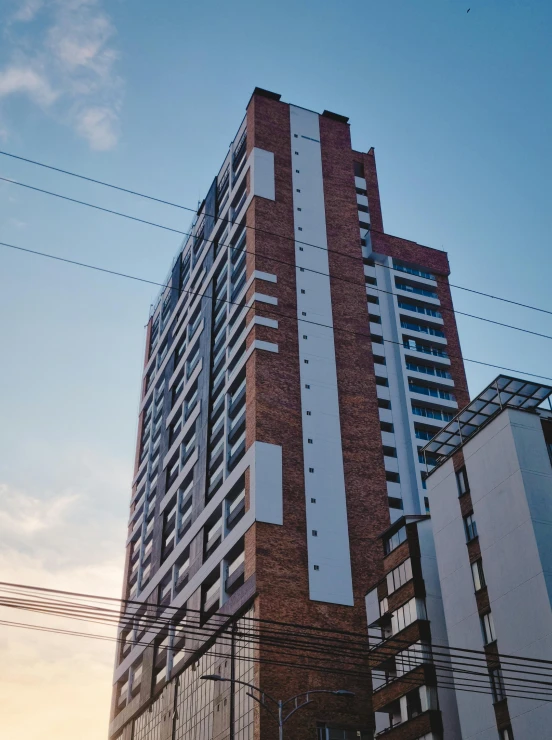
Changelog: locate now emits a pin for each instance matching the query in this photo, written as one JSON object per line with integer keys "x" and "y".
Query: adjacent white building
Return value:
{"x": 490, "y": 495}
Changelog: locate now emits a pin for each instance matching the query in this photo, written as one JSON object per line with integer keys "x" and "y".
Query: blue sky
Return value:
{"x": 148, "y": 95}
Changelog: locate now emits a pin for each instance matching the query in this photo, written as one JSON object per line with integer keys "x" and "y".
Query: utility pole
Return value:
{"x": 299, "y": 701}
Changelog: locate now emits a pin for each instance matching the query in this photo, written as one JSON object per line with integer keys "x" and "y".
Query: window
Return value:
{"x": 389, "y": 451}
{"x": 399, "y": 575}
{"x": 406, "y": 614}
{"x": 313, "y": 500}
{"x": 394, "y": 540}
{"x": 382, "y": 381}
{"x": 383, "y": 403}
{"x": 309, "y": 441}
{"x": 315, "y": 533}
{"x": 392, "y": 477}
{"x": 506, "y": 734}
{"x": 386, "y": 426}
{"x": 359, "y": 169}
{"x": 311, "y": 470}
{"x": 497, "y": 684}
{"x": 413, "y": 703}
{"x": 395, "y": 503}
{"x": 360, "y": 191}
{"x": 426, "y": 503}
{"x": 471, "y": 527}
{"x": 316, "y": 567}
{"x": 478, "y": 575}
{"x": 307, "y": 386}
{"x": 372, "y": 298}
{"x": 487, "y": 628}
{"x": 462, "y": 482}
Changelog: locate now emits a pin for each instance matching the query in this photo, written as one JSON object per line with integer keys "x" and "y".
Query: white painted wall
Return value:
{"x": 511, "y": 489}
{"x": 397, "y": 394}
{"x": 329, "y": 548}
{"x": 262, "y": 174}
{"x": 436, "y": 616}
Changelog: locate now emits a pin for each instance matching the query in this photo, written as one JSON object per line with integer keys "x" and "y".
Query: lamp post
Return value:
{"x": 280, "y": 717}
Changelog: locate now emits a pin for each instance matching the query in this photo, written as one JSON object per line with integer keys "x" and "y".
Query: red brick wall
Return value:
{"x": 274, "y": 415}
{"x": 372, "y": 187}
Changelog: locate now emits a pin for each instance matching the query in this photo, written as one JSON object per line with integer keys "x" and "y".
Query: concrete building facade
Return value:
{"x": 295, "y": 365}
{"x": 491, "y": 509}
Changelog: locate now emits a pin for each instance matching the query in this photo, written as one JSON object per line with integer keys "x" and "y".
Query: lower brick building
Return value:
{"x": 409, "y": 658}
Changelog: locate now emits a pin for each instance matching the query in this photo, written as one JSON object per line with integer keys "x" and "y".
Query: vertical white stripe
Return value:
{"x": 327, "y": 529}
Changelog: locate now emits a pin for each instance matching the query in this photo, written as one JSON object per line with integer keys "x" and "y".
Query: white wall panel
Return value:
{"x": 262, "y": 174}
{"x": 328, "y": 548}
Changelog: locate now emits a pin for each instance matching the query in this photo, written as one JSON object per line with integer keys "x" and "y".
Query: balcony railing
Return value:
{"x": 420, "y": 309}
{"x": 428, "y": 370}
{"x": 422, "y": 328}
{"x": 412, "y": 271}
{"x": 435, "y": 392}
{"x": 432, "y": 413}
{"x": 417, "y": 291}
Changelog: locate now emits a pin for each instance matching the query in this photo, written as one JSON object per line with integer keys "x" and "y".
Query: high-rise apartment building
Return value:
{"x": 295, "y": 366}
{"x": 491, "y": 511}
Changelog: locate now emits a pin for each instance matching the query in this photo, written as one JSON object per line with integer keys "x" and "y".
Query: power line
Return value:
{"x": 318, "y": 631}
{"x": 455, "y": 686}
{"x": 234, "y": 303}
{"x": 284, "y": 643}
{"x": 274, "y": 259}
{"x": 229, "y": 221}
{"x": 475, "y": 677}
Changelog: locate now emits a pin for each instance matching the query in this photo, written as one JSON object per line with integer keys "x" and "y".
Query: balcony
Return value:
{"x": 237, "y": 400}
{"x": 423, "y": 328}
{"x": 432, "y": 415}
{"x": 416, "y": 271}
{"x": 235, "y": 575}
{"x": 212, "y": 598}
{"x": 427, "y": 390}
{"x": 213, "y": 536}
{"x": 415, "y": 308}
{"x": 215, "y": 481}
{"x": 237, "y": 451}
{"x": 428, "y": 370}
{"x": 381, "y": 652}
{"x": 430, "y": 294}
{"x": 182, "y": 574}
{"x": 412, "y": 729}
{"x": 395, "y": 687}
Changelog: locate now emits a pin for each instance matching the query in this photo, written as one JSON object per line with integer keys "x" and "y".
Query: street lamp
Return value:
{"x": 280, "y": 718}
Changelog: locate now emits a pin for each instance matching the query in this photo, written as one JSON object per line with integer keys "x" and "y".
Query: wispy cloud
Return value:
{"x": 22, "y": 514}
{"x": 27, "y": 81}
{"x": 27, "y": 10}
{"x": 66, "y": 65}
